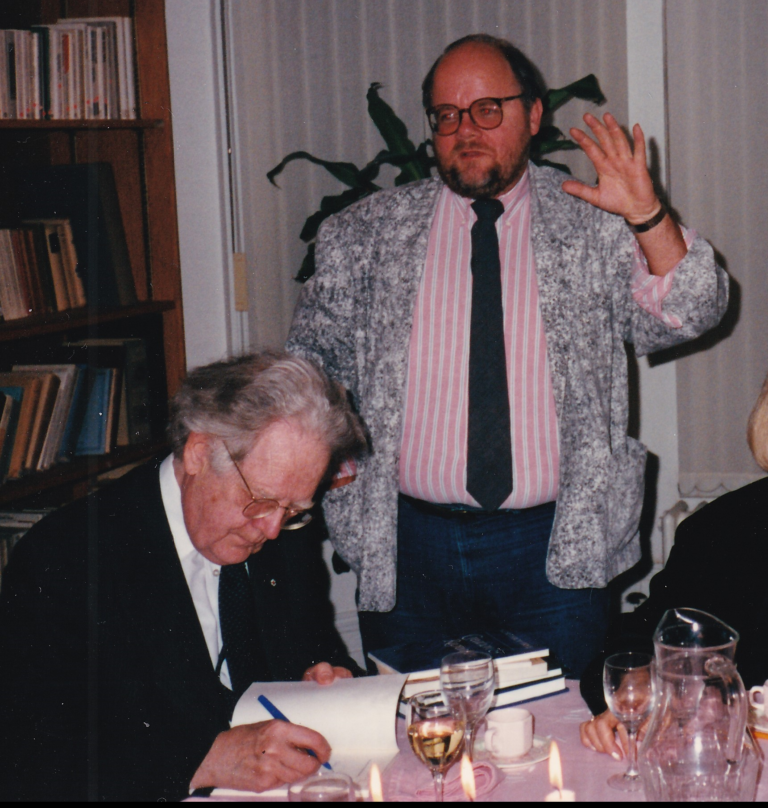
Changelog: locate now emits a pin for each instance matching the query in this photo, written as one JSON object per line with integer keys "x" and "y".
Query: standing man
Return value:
{"x": 478, "y": 319}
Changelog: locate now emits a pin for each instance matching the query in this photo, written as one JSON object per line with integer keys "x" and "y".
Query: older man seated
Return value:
{"x": 717, "y": 565}
{"x": 132, "y": 620}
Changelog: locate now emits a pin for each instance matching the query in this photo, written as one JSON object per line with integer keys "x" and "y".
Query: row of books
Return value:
{"x": 66, "y": 246}
{"x": 93, "y": 400}
{"x": 38, "y": 269}
{"x": 74, "y": 69}
{"x": 13, "y": 525}
{"x": 524, "y": 670}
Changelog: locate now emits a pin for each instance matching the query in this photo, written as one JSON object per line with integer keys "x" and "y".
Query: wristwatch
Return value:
{"x": 644, "y": 227}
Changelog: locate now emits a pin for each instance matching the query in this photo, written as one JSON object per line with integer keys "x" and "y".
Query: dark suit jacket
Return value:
{"x": 718, "y": 565}
{"x": 107, "y": 690}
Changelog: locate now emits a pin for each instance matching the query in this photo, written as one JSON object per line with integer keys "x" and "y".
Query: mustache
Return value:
{"x": 472, "y": 145}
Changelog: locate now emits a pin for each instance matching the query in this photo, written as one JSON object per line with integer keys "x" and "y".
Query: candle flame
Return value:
{"x": 555, "y": 769}
{"x": 468, "y": 778}
{"x": 377, "y": 794}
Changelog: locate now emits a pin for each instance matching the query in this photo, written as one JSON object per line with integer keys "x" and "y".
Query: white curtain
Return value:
{"x": 299, "y": 71}
{"x": 718, "y": 118}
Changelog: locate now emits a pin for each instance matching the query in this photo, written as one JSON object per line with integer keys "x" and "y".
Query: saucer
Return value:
{"x": 538, "y": 752}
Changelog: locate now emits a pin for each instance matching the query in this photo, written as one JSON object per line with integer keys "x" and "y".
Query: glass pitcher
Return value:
{"x": 697, "y": 747}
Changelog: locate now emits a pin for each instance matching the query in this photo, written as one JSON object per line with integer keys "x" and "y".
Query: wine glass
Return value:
{"x": 467, "y": 681}
{"x": 436, "y": 735}
{"x": 628, "y": 693}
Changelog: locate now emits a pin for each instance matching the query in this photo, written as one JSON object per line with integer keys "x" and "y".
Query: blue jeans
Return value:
{"x": 463, "y": 574}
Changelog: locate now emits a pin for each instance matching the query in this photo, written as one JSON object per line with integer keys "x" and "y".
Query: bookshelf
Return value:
{"x": 140, "y": 152}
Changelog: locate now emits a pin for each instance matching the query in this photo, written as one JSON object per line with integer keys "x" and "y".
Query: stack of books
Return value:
{"x": 38, "y": 269}
{"x": 75, "y": 69}
{"x": 97, "y": 400}
{"x": 524, "y": 670}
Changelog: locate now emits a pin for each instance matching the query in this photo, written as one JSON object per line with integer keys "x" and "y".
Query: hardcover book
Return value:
{"x": 85, "y": 194}
{"x": 426, "y": 657}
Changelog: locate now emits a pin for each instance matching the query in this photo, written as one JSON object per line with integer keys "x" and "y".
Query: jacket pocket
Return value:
{"x": 626, "y": 484}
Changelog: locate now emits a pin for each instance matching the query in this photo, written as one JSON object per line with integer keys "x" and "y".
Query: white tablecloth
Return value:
{"x": 584, "y": 772}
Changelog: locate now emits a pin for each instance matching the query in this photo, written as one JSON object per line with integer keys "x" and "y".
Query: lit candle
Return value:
{"x": 556, "y": 778}
{"x": 468, "y": 778}
{"x": 377, "y": 793}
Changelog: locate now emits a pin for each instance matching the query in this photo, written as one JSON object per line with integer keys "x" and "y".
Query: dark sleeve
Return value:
{"x": 716, "y": 565}
{"x": 44, "y": 709}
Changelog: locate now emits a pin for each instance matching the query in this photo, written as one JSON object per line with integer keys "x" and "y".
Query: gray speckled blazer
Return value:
{"x": 354, "y": 318}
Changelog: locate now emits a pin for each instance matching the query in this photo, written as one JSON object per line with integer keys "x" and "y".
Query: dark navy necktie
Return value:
{"x": 239, "y": 631}
{"x": 489, "y": 443}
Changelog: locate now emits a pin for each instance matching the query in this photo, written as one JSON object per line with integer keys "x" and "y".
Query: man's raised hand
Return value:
{"x": 624, "y": 185}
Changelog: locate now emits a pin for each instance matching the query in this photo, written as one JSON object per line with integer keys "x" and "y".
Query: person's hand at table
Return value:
{"x": 325, "y": 674}
{"x": 257, "y": 757}
{"x": 605, "y": 733}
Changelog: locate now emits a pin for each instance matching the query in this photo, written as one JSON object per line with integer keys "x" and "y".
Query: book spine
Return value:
{"x": 40, "y": 249}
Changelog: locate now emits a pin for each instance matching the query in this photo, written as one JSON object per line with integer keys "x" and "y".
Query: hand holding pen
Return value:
{"x": 257, "y": 757}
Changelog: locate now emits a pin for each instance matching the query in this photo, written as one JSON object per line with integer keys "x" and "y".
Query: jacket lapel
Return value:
{"x": 549, "y": 234}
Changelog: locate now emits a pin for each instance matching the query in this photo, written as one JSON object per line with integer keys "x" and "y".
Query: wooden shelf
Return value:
{"x": 78, "y": 470}
{"x": 53, "y": 323}
{"x": 140, "y": 152}
{"x": 24, "y": 123}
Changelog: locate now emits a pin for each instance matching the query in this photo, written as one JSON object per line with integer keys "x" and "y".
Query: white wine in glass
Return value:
{"x": 436, "y": 735}
{"x": 629, "y": 696}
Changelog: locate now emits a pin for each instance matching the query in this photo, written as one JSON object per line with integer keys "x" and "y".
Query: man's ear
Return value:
{"x": 197, "y": 453}
{"x": 535, "y": 115}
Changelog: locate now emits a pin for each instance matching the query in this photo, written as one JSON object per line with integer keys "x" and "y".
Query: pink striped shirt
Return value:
{"x": 434, "y": 445}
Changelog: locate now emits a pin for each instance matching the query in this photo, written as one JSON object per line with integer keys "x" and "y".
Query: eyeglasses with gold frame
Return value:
{"x": 260, "y": 508}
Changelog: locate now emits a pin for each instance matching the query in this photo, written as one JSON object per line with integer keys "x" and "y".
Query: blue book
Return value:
{"x": 92, "y": 438}
{"x": 427, "y": 656}
{"x": 75, "y": 415}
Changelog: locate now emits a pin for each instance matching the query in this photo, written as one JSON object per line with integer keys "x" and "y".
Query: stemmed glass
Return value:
{"x": 435, "y": 735}
{"x": 467, "y": 681}
{"x": 628, "y": 693}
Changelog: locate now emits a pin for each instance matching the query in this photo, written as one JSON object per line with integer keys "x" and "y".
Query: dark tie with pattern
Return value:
{"x": 239, "y": 632}
{"x": 489, "y": 443}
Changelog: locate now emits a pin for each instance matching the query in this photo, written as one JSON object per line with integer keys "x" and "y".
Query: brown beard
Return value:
{"x": 495, "y": 182}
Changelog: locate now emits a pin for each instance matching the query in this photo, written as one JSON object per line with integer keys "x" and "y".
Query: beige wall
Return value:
{"x": 300, "y": 70}
{"x": 718, "y": 119}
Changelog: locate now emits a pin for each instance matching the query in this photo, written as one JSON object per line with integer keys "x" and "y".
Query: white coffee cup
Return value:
{"x": 509, "y": 733}
{"x": 758, "y": 698}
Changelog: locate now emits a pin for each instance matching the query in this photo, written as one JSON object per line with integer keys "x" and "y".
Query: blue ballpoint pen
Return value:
{"x": 275, "y": 713}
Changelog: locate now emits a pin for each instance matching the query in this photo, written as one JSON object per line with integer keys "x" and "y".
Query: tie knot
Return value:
{"x": 488, "y": 210}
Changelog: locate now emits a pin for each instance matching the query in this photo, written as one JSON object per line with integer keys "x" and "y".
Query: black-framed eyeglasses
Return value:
{"x": 487, "y": 113}
{"x": 293, "y": 518}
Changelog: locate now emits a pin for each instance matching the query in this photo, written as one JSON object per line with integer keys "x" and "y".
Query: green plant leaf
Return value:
{"x": 587, "y": 88}
{"x": 391, "y": 128}
{"x": 348, "y": 173}
{"x": 559, "y": 166}
{"x": 550, "y": 146}
{"x": 548, "y": 132}
{"x": 307, "y": 269}
{"x": 395, "y": 134}
{"x": 330, "y": 205}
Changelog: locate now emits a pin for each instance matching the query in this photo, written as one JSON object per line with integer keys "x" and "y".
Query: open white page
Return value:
{"x": 356, "y": 716}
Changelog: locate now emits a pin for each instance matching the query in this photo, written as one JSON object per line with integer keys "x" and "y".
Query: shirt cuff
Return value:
{"x": 649, "y": 291}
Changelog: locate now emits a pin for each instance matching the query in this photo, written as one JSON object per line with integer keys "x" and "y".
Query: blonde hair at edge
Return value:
{"x": 757, "y": 428}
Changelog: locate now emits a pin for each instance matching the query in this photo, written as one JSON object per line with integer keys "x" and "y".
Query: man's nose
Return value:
{"x": 271, "y": 525}
{"x": 466, "y": 125}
